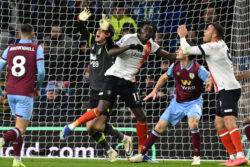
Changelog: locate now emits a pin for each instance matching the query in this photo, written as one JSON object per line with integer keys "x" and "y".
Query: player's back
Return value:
{"x": 220, "y": 66}
{"x": 21, "y": 69}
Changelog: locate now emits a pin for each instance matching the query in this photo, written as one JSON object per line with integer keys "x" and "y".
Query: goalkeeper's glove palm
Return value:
{"x": 85, "y": 14}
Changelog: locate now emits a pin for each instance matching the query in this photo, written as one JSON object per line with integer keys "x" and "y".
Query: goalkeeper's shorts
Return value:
{"x": 94, "y": 100}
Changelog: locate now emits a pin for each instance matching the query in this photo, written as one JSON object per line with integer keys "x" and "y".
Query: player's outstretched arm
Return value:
{"x": 119, "y": 50}
{"x": 161, "y": 81}
{"x": 187, "y": 49}
{"x": 82, "y": 28}
{"x": 242, "y": 75}
{"x": 164, "y": 54}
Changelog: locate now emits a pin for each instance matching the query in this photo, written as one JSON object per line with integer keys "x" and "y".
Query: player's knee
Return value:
{"x": 160, "y": 128}
{"x": 230, "y": 122}
{"x": 246, "y": 120}
{"x": 219, "y": 124}
{"x": 193, "y": 123}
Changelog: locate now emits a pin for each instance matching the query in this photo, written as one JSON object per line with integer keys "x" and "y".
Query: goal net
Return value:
{"x": 67, "y": 60}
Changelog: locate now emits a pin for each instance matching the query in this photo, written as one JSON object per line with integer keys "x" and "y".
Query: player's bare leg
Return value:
{"x": 16, "y": 137}
{"x": 160, "y": 127}
{"x": 141, "y": 126}
{"x": 196, "y": 139}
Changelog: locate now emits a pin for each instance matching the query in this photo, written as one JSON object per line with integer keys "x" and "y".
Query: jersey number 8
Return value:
{"x": 18, "y": 69}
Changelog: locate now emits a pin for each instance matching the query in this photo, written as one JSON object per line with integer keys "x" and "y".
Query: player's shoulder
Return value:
{"x": 130, "y": 36}
{"x": 216, "y": 45}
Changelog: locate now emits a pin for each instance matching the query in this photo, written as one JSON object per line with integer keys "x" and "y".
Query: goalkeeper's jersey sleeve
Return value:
{"x": 99, "y": 63}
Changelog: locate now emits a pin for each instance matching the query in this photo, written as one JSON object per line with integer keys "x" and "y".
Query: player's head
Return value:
{"x": 127, "y": 28}
{"x": 146, "y": 31}
{"x": 56, "y": 31}
{"x": 27, "y": 31}
{"x": 104, "y": 35}
{"x": 52, "y": 90}
{"x": 213, "y": 31}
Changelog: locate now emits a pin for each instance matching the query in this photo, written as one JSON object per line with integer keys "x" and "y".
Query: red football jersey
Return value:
{"x": 21, "y": 60}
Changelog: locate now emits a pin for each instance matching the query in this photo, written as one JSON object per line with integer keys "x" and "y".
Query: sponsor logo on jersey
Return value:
{"x": 186, "y": 82}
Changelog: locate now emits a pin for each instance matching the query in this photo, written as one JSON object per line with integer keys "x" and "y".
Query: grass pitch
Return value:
{"x": 35, "y": 162}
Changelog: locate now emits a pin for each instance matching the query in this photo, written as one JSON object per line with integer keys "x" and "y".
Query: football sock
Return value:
{"x": 11, "y": 135}
{"x": 196, "y": 141}
{"x": 87, "y": 116}
{"x": 113, "y": 132}
{"x": 247, "y": 130}
{"x": 17, "y": 146}
{"x": 236, "y": 140}
{"x": 227, "y": 142}
{"x": 149, "y": 142}
{"x": 141, "y": 131}
{"x": 100, "y": 139}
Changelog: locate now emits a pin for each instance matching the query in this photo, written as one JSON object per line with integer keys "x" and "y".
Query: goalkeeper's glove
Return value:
{"x": 136, "y": 47}
{"x": 84, "y": 15}
{"x": 104, "y": 23}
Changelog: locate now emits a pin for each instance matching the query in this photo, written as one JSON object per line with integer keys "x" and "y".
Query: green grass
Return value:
{"x": 29, "y": 162}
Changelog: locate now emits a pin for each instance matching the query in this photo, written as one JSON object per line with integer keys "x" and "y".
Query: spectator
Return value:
{"x": 55, "y": 106}
{"x": 59, "y": 49}
{"x": 119, "y": 18}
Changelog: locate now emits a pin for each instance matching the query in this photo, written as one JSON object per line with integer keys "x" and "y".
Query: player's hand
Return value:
{"x": 104, "y": 23}
{"x": 136, "y": 47}
{"x": 153, "y": 95}
{"x": 182, "y": 31}
{"x": 37, "y": 92}
{"x": 208, "y": 85}
{"x": 84, "y": 15}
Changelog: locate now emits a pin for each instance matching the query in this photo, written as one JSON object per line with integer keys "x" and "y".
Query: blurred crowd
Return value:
{"x": 65, "y": 91}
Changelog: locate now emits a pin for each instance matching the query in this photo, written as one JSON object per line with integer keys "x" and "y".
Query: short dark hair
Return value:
{"x": 27, "y": 29}
{"x": 142, "y": 24}
{"x": 219, "y": 29}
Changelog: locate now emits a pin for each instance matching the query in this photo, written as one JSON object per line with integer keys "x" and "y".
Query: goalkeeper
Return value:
{"x": 99, "y": 63}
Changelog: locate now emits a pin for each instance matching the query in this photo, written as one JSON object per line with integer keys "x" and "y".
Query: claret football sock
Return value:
{"x": 149, "y": 142}
{"x": 11, "y": 135}
{"x": 196, "y": 141}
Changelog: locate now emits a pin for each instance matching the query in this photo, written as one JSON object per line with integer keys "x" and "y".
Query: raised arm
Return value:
{"x": 162, "y": 80}
{"x": 187, "y": 49}
{"x": 242, "y": 75}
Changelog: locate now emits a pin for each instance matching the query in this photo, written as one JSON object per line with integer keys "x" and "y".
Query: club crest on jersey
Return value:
{"x": 178, "y": 73}
{"x": 191, "y": 75}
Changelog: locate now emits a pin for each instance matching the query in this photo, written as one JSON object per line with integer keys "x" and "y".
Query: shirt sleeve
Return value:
{"x": 154, "y": 46}
{"x": 170, "y": 71}
{"x": 203, "y": 74}
{"x": 122, "y": 41}
{"x": 40, "y": 73}
{"x": 5, "y": 54}
{"x": 40, "y": 53}
{"x": 204, "y": 49}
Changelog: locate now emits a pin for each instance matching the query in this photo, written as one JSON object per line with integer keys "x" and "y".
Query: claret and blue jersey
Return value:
{"x": 25, "y": 60}
{"x": 189, "y": 85}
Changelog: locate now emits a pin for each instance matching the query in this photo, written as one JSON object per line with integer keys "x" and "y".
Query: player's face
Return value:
{"x": 55, "y": 32}
{"x": 146, "y": 33}
{"x": 101, "y": 36}
{"x": 208, "y": 33}
{"x": 51, "y": 95}
{"x": 180, "y": 54}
